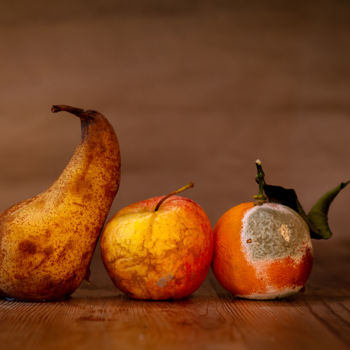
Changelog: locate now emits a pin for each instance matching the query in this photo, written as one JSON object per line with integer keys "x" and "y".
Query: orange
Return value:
{"x": 262, "y": 251}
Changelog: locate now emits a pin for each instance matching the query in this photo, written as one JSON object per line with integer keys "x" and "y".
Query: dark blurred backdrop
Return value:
{"x": 196, "y": 90}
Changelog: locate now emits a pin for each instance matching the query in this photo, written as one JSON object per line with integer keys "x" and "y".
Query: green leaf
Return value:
{"x": 317, "y": 219}
{"x": 289, "y": 198}
{"x": 285, "y": 196}
{"x": 318, "y": 214}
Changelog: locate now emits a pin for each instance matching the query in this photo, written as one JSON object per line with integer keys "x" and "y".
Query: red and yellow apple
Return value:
{"x": 159, "y": 248}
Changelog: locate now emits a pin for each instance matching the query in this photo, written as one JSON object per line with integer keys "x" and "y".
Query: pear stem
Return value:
{"x": 79, "y": 112}
{"x": 260, "y": 179}
{"x": 184, "y": 188}
{"x": 64, "y": 108}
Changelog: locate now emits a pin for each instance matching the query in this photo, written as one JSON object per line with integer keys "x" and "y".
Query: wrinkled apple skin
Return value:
{"x": 164, "y": 254}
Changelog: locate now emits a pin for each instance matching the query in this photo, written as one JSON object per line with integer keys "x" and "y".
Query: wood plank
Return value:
{"x": 104, "y": 318}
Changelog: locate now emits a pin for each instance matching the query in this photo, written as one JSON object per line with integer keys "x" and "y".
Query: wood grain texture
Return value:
{"x": 103, "y": 318}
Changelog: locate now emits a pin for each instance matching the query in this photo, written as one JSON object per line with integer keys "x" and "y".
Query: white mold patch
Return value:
{"x": 285, "y": 232}
{"x": 164, "y": 280}
{"x": 274, "y": 231}
{"x": 273, "y": 294}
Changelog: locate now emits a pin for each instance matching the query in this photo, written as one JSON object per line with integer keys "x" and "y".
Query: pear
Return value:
{"x": 47, "y": 242}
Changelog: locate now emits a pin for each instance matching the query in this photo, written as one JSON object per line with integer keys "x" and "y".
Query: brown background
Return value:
{"x": 195, "y": 90}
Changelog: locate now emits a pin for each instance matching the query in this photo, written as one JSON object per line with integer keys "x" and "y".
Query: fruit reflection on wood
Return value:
{"x": 47, "y": 242}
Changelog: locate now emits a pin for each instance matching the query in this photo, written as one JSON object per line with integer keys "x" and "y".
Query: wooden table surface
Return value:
{"x": 103, "y": 318}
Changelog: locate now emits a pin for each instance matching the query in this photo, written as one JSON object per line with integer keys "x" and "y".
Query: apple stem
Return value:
{"x": 184, "y": 188}
{"x": 260, "y": 179}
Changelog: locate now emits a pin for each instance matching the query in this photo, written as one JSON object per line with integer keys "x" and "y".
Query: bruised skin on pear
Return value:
{"x": 47, "y": 242}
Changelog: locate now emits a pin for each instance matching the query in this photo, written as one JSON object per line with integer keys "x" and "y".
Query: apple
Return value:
{"x": 159, "y": 248}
